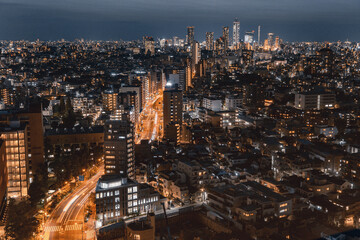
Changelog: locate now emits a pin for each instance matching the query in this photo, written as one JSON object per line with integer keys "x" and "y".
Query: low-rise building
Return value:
{"x": 118, "y": 197}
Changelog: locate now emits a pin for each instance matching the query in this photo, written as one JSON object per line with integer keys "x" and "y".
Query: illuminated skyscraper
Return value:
{"x": 236, "y": 32}
{"x": 226, "y": 37}
{"x": 277, "y": 42}
{"x": 259, "y": 32}
{"x": 270, "y": 39}
{"x": 266, "y": 45}
{"x": 176, "y": 41}
{"x": 195, "y": 54}
{"x": 149, "y": 45}
{"x": 249, "y": 37}
{"x": 119, "y": 145}
{"x": 190, "y": 35}
{"x": 210, "y": 41}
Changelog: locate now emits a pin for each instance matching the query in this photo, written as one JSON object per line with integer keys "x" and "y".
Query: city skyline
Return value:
{"x": 145, "y": 120}
{"x": 113, "y": 20}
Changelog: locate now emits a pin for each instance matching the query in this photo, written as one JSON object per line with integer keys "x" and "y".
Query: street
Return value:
{"x": 150, "y": 121}
{"x": 67, "y": 219}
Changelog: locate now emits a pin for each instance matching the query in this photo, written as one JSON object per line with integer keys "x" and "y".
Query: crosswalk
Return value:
{"x": 53, "y": 229}
{"x": 73, "y": 227}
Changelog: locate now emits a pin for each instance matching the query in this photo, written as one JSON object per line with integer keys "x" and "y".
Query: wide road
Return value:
{"x": 150, "y": 121}
{"x": 66, "y": 221}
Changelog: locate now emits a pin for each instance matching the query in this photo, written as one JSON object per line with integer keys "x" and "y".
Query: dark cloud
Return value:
{"x": 293, "y": 20}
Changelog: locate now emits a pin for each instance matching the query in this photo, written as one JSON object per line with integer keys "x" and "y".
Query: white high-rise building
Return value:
{"x": 236, "y": 32}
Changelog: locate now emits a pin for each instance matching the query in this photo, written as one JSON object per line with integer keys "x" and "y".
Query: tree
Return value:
{"x": 21, "y": 223}
{"x": 39, "y": 186}
{"x": 62, "y": 106}
{"x": 69, "y": 106}
{"x": 69, "y": 118}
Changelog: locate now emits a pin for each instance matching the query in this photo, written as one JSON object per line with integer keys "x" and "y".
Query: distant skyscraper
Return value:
{"x": 249, "y": 37}
{"x": 226, "y": 37}
{"x": 270, "y": 39}
{"x": 149, "y": 45}
{"x": 119, "y": 145}
{"x": 195, "y": 54}
{"x": 176, "y": 41}
{"x": 266, "y": 45}
{"x": 210, "y": 41}
{"x": 190, "y": 35}
{"x": 236, "y": 32}
{"x": 277, "y": 42}
{"x": 259, "y": 32}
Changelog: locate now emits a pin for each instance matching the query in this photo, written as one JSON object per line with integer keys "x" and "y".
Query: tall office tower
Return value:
{"x": 15, "y": 138}
{"x": 172, "y": 110}
{"x": 119, "y": 145}
{"x": 270, "y": 39}
{"x": 210, "y": 41}
{"x": 277, "y": 42}
{"x": 176, "y": 41}
{"x": 195, "y": 54}
{"x": 145, "y": 87}
{"x": 259, "y": 32}
{"x": 149, "y": 45}
{"x": 110, "y": 100}
{"x": 249, "y": 37}
{"x": 226, "y": 37}
{"x": 188, "y": 78}
{"x": 266, "y": 45}
{"x": 236, "y": 32}
{"x": 190, "y": 35}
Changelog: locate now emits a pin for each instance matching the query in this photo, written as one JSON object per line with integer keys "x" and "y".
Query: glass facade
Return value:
{"x": 17, "y": 163}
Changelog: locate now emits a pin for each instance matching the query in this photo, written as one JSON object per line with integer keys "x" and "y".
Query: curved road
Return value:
{"x": 66, "y": 221}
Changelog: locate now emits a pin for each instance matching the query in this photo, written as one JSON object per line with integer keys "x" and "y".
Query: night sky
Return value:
{"x": 292, "y": 20}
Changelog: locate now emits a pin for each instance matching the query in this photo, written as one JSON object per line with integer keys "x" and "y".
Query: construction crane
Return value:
{"x": 167, "y": 223}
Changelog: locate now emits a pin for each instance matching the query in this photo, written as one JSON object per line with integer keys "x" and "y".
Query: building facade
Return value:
{"x": 236, "y": 32}
{"x": 117, "y": 197}
{"x": 172, "y": 110}
{"x": 119, "y": 147}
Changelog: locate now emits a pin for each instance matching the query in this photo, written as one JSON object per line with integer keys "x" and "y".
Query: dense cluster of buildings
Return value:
{"x": 264, "y": 134}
